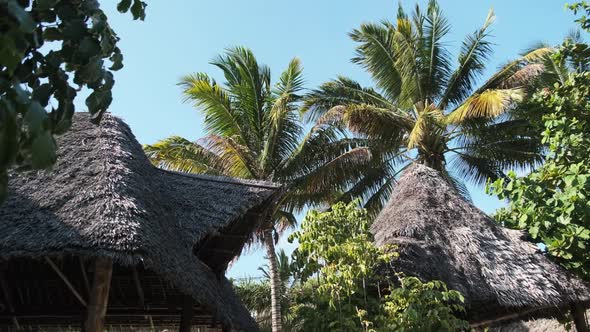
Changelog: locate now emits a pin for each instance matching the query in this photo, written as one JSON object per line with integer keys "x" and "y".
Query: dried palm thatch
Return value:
{"x": 441, "y": 236}
{"x": 104, "y": 198}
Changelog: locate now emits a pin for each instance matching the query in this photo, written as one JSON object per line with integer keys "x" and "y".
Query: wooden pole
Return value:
{"x": 65, "y": 280}
{"x": 186, "y": 317}
{"x": 99, "y": 295}
{"x": 579, "y": 315}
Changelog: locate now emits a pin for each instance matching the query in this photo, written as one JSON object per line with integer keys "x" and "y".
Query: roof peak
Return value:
{"x": 226, "y": 179}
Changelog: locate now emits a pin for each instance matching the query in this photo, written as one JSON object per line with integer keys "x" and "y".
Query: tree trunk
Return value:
{"x": 275, "y": 282}
{"x": 579, "y": 315}
{"x": 99, "y": 295}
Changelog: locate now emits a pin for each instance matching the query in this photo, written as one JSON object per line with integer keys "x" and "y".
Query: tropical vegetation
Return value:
{"x": 333, "y": 286}
{"x": 551, "y": 202}
{"x": 254, "y": 132}
{"x": 425, "y": 108}
{"x": 428, "y": 110}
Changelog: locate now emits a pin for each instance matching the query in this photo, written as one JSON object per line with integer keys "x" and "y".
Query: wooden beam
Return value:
{"x": 140, "y": 293}
{"x": 186, "y": 316}
{"x": 152, "y": 327}
{"x": 579, "y": 314}
{"x": 65, "y": 280}
{"x": 84, "y": 275}
{"x": 99, "y": 295}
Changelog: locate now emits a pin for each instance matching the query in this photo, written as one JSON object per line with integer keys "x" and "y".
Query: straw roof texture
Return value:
{"x": 443, "y": 237}
{"x": 104, "y": 198}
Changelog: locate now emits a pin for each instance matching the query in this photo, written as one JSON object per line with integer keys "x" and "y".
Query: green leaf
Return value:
{"x": 42, "y": 93}
{"x": 123, "y": 6}
{"x": 43, "y": 150}
{"x": 27, "y": 24}
{"x": 74, "y": 29}
{"x": 52, "y": 34}
{"x": 117, "y": 59}
{"x": 138, "y": 10}
{"x": 35, "y": 117}
{"x": 9, "y": 55}
{"x": 98, "y": 101}
{"x": 89, "y": 47}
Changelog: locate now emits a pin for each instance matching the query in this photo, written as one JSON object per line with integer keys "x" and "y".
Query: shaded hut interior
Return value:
{"x": 53, "y": 292}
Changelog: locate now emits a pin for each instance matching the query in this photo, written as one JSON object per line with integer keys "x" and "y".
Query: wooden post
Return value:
{"x": 99, "y": 295}
{"x": 186, "y": 317}
{"x": 579, "y": 315}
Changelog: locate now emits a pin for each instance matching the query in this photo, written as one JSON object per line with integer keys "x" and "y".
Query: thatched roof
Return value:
{"x": 104, "y": 198}
{"x": 441, "y": 236}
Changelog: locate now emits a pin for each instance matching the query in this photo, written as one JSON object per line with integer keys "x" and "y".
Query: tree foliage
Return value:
{"x": 552, "y": 203}
{"x": 254, "y": 131}
{"x": 428, "y": 107}
{"x": 343, "y": 284}
{"x": 255, "y": 294}
{"x": 49, "y": 51}
{"x": 584, "y": 8}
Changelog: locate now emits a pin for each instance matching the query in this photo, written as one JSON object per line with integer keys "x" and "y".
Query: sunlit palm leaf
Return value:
{"x": 240, "y": 163}
{"x": 437, "y": 67}
{"x": 520, "y": 72}
{"x": 428, "y": 119}
{"x": 284, "y": 127}
{"x": 488, "y": 104}
{"x": 248, "y": 83}
{"x": 376, "y": 54}
{"x": 179, "y": 154}
{"x": 220, "y": 117}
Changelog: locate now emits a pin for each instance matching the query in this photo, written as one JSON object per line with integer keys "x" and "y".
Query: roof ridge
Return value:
{"x": 225, "y": 179}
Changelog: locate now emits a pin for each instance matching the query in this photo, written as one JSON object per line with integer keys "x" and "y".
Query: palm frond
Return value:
{"x": 437, "y": 67}
{"x": 238, "y": 158}
{"x": 211, "y": 99}
{"x": 340, "y": 92}
{"x": 522, "y": 71}
{"x": 285, "y": 221}
{"x": 407, "y": 43}
{"x": 487, "y": 104}
{"x": 485, "y": 151}
{"x": 376, "y": 54}
{"x": 284, "y": 129}
{"x": 331, "y": 177}
{"x": 428, "y": 119}
{"x": 248, "y": 83}
{"x": 475, "y": 51}
{"x": 179, "y": 154}
{"x": 388, "y": 125}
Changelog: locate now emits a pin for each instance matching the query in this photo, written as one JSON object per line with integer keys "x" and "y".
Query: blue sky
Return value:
{"x": 180, "y": 37}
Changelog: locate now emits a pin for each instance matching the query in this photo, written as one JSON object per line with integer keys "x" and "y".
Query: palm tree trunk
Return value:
{"x": 275, "y": 282}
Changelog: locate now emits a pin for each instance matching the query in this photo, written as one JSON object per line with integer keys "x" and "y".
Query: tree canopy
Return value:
{"x": 49, "y": 51}
{"x": 427, "y": 107}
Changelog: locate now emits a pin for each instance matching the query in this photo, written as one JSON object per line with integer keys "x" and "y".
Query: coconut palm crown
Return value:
{"x": 425, "y": 108}
{"x": 254, "y": 131}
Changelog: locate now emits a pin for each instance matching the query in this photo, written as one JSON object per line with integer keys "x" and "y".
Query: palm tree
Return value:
{"x": 255, "y": 294}
{"x": 254, "y": 132}
{"x": 426, "y": 110}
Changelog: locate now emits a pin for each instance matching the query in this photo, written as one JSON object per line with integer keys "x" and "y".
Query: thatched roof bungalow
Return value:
{"x": 440, "y": 236}
{"x": 105, "y": 226}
